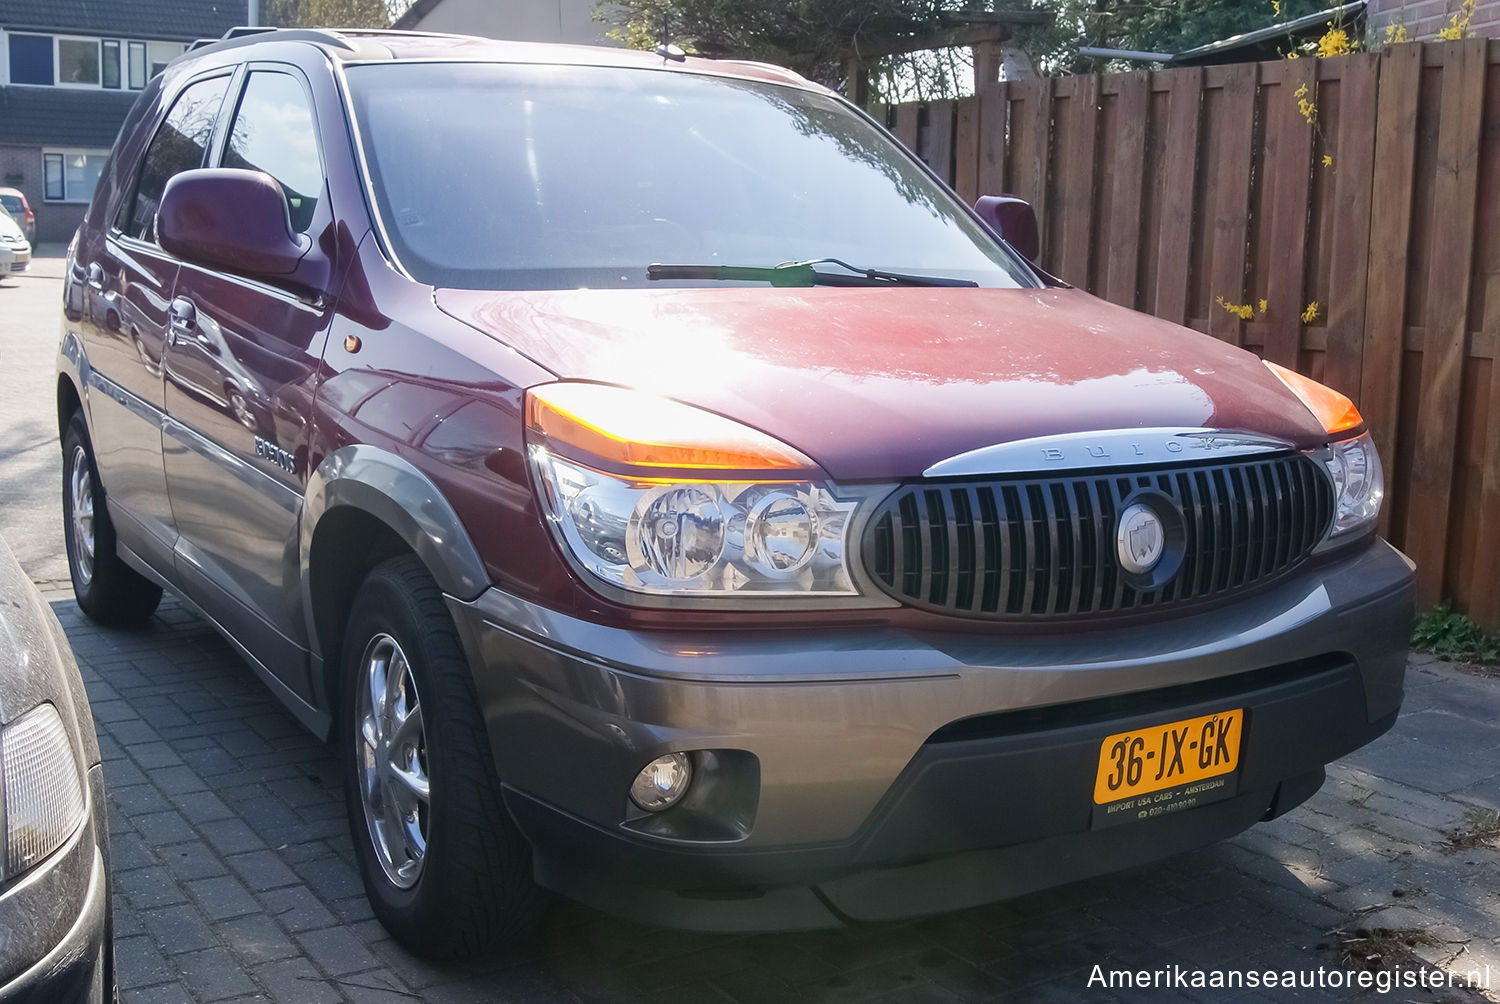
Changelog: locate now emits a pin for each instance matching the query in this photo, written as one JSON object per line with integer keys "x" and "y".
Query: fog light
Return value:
{"x": 662, "y": 782}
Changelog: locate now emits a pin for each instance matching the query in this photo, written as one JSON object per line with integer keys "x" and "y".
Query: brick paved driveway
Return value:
{"x": 235, "y": 878}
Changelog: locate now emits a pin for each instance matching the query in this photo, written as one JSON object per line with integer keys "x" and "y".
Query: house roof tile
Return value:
{"x": 175, "y": 20}
{"x": 61, "y": 116}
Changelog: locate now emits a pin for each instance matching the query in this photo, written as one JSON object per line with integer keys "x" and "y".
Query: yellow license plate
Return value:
{"x": 1138, "y": 763}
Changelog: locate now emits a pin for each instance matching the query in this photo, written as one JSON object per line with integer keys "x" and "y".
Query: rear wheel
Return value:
{"x": 108, "y": 590}
{"x": 445, "y": 868}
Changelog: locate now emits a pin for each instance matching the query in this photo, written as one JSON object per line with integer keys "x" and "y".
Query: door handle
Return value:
{"x": 183, "y": 318}
{"x": 96, "y": 276}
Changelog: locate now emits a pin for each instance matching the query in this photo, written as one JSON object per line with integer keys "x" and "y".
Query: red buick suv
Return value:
{"x": 664, "y": 492}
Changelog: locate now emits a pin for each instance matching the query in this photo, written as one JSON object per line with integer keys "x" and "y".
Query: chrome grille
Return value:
{"x": 1035, "y": 546}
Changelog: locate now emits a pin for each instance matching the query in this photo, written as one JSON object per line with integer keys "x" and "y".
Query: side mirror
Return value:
{"x": 230, "y": 219}
{"x": 1014, "y": 220}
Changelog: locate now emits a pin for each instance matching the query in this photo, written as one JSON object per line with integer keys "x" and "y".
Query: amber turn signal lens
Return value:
{"x": 1334, "y": 410}
{"x": 646, "y": 432}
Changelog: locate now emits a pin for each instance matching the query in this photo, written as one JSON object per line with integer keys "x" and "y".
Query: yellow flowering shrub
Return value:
{"x": 1241, "y": 310}
{"x": 1458, "y": 26}
{"x": 1335, "y": 42}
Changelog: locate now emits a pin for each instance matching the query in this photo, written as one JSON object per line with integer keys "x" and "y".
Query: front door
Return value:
{"x": 240, "y": 370}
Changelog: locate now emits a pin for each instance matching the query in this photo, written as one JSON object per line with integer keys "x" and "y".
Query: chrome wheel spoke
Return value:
{"x": 395, "y": 684}
{"x": 408, "y": 730}
{"x": 369, "y": 731}
{"x": 393, "y": 819}
{"x": 414, "y": 781}
{"x": 375, "y": 681}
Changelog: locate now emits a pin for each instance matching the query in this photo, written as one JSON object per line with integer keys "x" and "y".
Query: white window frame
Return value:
{"x": 65, "y": 153}
{"x": 126, "y": 44}
{"x": 120, "y": 67}
{"x": 57, "y": 79}
{"x": 181, "y": 48}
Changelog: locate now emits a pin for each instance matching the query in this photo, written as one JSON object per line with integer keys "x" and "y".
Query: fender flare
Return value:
{"x": 392, "y": 490}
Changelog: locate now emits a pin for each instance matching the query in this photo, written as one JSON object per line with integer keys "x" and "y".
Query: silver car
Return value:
{"x": 15, "y": 249}
{"x": 55, "y": 942}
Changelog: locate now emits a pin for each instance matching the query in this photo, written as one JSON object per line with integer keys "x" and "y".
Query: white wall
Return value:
{"x": 521, "y": 20}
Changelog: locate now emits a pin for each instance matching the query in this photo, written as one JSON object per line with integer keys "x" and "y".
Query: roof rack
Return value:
{"x": 247, "y": 33}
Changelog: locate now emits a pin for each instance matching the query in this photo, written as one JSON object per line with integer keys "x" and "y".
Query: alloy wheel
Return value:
{"x": 391, "y": 761}
{"x": 81, "y": 490}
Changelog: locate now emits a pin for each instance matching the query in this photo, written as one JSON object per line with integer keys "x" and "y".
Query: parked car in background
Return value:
{"x": 15, "y": 249}
{"x": 665, "y": 493}
{"x": 14, "y": 202}
{"x": 54, "y": 872}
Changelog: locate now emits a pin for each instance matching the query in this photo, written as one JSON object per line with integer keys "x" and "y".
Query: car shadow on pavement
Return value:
{"x": 235, "y": 876}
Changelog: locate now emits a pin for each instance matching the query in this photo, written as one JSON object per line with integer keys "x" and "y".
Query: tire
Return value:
{"x": 108, "y": 590}
{"x": 470, "y": 889}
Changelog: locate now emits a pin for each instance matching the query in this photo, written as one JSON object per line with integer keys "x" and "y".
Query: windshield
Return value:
{"x": 510, "y": 176}
{"x": 12, "y": 205}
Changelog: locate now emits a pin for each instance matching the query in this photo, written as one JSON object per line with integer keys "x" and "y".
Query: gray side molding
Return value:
{"x": 73, "y": 361}
{"x": 383, "y": 485}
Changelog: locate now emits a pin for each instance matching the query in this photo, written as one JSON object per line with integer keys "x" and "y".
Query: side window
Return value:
{"x": 273, "y": 132}
{"x": 179, "y": 145}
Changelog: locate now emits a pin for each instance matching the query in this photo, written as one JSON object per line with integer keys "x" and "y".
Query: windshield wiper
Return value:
{"x": 801, "y": 273}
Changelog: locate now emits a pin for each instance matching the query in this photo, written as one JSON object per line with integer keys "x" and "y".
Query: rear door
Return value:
{"x": 239, "y": 375}
{"x": 124, "y": 324}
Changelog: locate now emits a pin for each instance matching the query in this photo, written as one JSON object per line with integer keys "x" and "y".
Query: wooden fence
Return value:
{"x": 1366, "y": 184}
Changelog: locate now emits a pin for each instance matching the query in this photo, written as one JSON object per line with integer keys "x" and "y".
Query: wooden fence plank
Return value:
{"x": 1390, "y": 233}
{"x": 966, "y": 149}
{"x": 1040, "y": 163}
{"x": 1075, "y": 189}
{"x": 1486, "y": 606}
{"x": 1353, "y": 175}
{"x": 1289, "y": 146}
{"x": 994, "y": 125}
{"x": 1232, "y": 212}
{"x": 1431, "y": 489}
{"x": 1177, "y": 194}
{"x": 939, "y": 152}
{"x": 1129, "y": 162}
{"x": 906, "y": 125}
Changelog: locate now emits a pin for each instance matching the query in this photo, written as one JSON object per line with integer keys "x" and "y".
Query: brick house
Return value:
{"x": 1423, "y": 18}
{"x": 69, "y": 72}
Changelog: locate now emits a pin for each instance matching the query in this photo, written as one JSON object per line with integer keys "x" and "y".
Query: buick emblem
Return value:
{"x": 1140, "y": 540}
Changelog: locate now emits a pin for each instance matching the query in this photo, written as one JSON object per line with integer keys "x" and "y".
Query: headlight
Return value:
{"x": 44, "y": 800}
{"x": 701, "y": 538}
{"x": 1358, "y": 483}
{"x": 658, "y": 497}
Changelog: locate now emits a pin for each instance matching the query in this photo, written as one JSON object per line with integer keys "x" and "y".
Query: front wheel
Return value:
{"x": 444, "y": 867}
{"x": 108, "y": 590}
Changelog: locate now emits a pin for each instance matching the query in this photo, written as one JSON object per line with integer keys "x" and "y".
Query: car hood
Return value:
{"x": 883, "y": 383}
{"x": 10, "y": 228}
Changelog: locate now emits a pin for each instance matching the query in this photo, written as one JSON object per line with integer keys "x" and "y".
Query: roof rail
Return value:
{"x": 243, "y": 34}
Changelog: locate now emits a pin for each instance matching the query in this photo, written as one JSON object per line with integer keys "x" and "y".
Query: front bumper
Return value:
{"x": 879, "y": 773}
{"x": 54, "y": 920}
